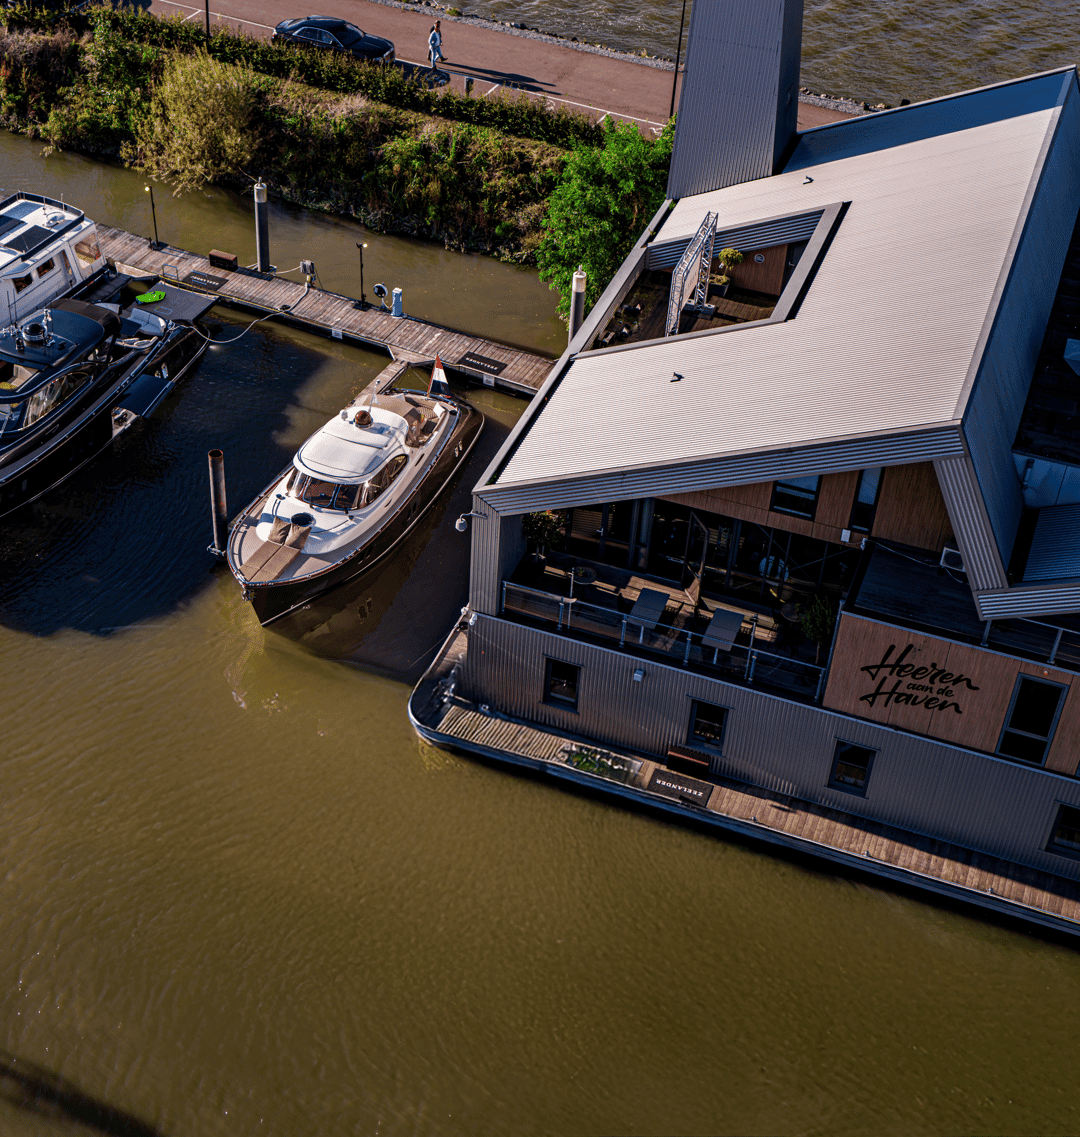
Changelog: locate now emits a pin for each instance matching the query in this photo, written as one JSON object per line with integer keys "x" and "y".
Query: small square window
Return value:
{"x": 46, "y": 268}
{"x": 1066, "y": 835}
{"x": 1032, "y": 717}
{"x": 851, "y": 767}
{"x": 22, "y": 282}
{"x": 562, "y": 682}
{"x": 797, "y": 496}
{"x": 707, "y": 722}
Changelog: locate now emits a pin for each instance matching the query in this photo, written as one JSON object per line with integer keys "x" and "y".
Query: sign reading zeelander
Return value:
{"x": 902, "y": 683}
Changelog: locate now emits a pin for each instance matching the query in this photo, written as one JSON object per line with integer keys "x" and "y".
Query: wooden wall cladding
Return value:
{"x": 910, "y": 509}
{"x": 767, "y": 277}
{"x": 954, "y": 692}
{"x": 751, "y": 503}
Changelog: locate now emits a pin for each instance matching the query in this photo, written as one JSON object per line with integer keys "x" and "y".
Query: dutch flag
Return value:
{"x": 438, "y": 384}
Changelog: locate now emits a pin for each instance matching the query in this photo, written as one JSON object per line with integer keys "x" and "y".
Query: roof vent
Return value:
{"x": 952, "y": 559}
{"x": 34, "y": 332}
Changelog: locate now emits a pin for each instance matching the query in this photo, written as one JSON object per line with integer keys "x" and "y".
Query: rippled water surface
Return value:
{"x": 874, "y": 50}
{"x": 237, "y": 896}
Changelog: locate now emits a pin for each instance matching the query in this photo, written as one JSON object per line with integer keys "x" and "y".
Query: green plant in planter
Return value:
{"x": 543, "y": 529}
{"x": 728, "y": 258}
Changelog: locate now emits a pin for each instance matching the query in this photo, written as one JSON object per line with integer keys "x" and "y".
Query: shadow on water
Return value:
{"x": 393, "y": 618}
{"x": 125, "y": 540}
{"x": 33, "y": 1089}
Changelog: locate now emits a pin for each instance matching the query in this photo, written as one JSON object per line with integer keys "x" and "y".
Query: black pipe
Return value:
{"x": 678, "y": 52}
{"x": 218, "y": 510}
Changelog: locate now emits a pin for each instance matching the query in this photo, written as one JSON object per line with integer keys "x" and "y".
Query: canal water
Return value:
{"x": 238, "y": 897}
{"x": 873, "y": 50}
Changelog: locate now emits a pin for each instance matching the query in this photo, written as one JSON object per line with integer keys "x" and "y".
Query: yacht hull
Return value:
{"x": 86, "y": 431}
{"x": 274, "y": 599}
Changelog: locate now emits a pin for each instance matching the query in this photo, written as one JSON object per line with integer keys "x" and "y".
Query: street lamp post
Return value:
{"x": 363, "y": 302}
{"x": 153, "y": 212}
{"x": 678, "y": 52}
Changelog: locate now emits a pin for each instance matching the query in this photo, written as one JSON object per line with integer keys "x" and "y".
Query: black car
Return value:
{"x": 337, "y": 35}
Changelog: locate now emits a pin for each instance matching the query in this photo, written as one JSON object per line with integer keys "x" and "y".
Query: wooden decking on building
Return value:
{"x": 904, "y": 857}
{"x": 330, "y": 314}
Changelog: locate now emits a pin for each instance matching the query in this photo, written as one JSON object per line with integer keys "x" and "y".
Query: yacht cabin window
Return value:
{"x": 14, "y": 375}
{"x": 45, "y": 268}
{"x": 22, "y": 282}
{"x": 58, "y": 391}
{"x": 330, "y": 495}
{"x": 88, "y": 250}
{"x": 383, "y": 477}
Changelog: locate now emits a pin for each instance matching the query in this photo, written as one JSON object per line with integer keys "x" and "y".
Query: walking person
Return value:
{"x": 435, "y": 44}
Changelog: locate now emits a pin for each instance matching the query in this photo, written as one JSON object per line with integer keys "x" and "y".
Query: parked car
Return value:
{"x": 336, "y": 35}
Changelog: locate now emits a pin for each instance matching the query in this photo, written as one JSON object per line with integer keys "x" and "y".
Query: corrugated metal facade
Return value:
{"x": 734, "y": 470}
{"x": 498, "y": 544}
{"x": 776, "y": 231}
{"x": 924, "y": 786}
{"x": 739, "y": 101}
{"x": 1024, "y": 601}
{"x": 996, "y": 401}
{"x": 1055, "y": 547}
{"x": 970, "y": 523}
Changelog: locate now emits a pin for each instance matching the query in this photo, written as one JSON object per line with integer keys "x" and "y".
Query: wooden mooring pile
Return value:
{"x": 406, "y": 339}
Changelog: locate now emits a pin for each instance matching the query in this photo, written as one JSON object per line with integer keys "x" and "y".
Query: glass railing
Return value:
{"x": 680, "y": 645}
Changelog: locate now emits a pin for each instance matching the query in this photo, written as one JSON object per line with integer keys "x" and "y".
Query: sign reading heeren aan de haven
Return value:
{"x": 901, "y": 683}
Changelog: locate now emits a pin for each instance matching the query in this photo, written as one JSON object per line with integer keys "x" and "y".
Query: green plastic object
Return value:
{"x": 149, "y": 297}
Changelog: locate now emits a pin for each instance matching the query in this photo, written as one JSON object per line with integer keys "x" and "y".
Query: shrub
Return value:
{"x": 604, "y": 198}
{"x": 201, "y": 126}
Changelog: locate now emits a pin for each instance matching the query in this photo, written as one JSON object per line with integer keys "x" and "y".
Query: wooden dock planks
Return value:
{"x": 330, "y": 314}
{"x": 874, "y": 843}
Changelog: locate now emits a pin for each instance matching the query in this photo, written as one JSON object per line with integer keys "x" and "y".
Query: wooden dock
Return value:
{"x": 867, "y": 846}
{"x": 408, "y": 340}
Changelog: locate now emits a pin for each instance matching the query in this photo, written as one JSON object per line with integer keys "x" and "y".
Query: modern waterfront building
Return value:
{"x": 813, "y": 570}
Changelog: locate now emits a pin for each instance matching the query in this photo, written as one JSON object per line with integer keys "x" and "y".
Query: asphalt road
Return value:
{"x": 595, "y": 84}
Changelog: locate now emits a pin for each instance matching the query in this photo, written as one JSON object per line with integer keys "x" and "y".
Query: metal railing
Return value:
{"x": 1034, "y": 639}
{"x": 683, "y": 646}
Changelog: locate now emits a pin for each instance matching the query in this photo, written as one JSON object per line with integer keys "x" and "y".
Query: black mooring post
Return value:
{"x": 218, "y": 509}
{"x": 262, "y": 229}
{"x": 678, "y": 53}
{"x": 207, "y": 21}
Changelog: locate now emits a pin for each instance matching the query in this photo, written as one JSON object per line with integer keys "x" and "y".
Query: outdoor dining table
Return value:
{"x": 722, "y": 630}
{"x": 647, "y": 610}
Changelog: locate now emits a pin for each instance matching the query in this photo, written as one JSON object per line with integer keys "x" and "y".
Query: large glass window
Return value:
{"x": 1066, "y": 835}
{"x": 851, "y": 767}
{"x": 562, "y": 682}
{"x": 797, "y": 496}
{"x": 707, "y": 723}
{"x": 1032, "y": 717}
{"x": 866, "y": 498}
{"x": 56, "y": 393}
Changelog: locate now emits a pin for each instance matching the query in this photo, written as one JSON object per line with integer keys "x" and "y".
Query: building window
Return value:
{"x": 797, "y": 496}
{"x": 1066, "y": 835}
{"x": 1032, "y": 717}
{"x": 562, "y": 683}
{"x": 851, "y": 767}
{"x": 867, "y": 493}
{"x": 707, "y": 722}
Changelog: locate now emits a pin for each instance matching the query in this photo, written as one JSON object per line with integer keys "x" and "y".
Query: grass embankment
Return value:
{"x": 325, "y": 131}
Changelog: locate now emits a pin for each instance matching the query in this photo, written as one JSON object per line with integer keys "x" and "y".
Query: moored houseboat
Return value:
{"x": 811, "y": 549}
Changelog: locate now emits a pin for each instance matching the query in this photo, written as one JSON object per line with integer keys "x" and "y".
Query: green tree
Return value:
{"x": 817, "y": 623}
{"x": 604, "y": 199}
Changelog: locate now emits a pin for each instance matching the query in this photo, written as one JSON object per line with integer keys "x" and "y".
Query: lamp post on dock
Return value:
{"x": 153, "y": 212}
{"x": 362, "y": 302}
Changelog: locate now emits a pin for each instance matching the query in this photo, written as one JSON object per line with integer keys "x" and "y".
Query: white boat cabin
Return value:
{"x": 46, "y": 249}
{"x": 347, "y": 466}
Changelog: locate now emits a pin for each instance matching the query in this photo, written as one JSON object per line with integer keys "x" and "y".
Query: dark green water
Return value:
{"x": 238, "y": 897}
